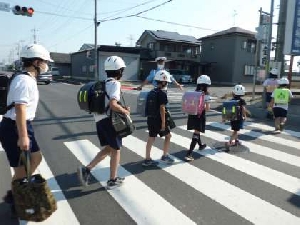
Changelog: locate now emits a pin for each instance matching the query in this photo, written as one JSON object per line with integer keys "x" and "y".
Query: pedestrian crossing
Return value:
{"x": 237, "y": 188}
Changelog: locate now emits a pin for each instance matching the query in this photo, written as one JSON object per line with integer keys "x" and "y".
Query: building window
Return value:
{"x": 84, "y": 69}
{"x": 212, "y": 46}
{"x": 151, "y": 45}
{"x": 91, "y": 68}
{"x": 249, "y": 70}
{"x": 249, "y": 46}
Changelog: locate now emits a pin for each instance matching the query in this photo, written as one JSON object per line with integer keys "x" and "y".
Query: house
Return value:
{"x": 62, "y": 61}
{"x": 182, "y": 51}
{"x": 233, "y": 54}
{"x": 83, "y": 61}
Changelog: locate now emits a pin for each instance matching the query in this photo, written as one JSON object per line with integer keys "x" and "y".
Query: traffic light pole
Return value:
{"x": 270, "y": 37}
{"x": 96, "y": 50}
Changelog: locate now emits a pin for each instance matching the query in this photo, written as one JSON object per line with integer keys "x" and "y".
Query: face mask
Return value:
{"x": 160, "y": 66}
{"x": 44, "y": 69}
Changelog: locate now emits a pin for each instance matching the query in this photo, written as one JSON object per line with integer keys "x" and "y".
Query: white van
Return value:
{"x": 54, "y": 71}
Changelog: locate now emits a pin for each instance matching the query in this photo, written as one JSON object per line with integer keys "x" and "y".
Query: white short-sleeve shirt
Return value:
{"x": 23, "y": 90}
{"x": 113, "y": 90}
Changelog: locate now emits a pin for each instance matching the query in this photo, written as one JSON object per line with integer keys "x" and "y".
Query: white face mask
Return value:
{"x": 160, "y": 66}
{"x": 44, "y": 69}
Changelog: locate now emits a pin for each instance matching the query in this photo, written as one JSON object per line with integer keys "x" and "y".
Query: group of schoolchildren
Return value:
{"x": 17, "y": 135}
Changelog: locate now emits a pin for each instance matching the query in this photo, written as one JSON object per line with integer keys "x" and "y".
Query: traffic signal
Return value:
{"x": 24, "y": 11}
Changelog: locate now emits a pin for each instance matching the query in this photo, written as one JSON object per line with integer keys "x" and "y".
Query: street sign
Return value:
{"x": 4, "y": 7}
{"x": 292, "y": 29}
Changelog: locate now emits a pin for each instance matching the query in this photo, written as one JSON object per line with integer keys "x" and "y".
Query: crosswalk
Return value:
{"x": 262, "y": 197}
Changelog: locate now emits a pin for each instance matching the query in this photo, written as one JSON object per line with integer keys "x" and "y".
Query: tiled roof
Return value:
{"x": 172, "y": 36}
{"x": 232, "y": 30}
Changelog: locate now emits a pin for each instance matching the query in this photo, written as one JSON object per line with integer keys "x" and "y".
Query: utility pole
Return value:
{"x": 96, "y": 45}
{"x": 270, "y": 37}
{"x": 279, "y": 56}
{"x": 34, "y": 35}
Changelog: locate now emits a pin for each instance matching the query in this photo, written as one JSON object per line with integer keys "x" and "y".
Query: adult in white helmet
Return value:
{"x": 158, "y": 117}
{"x": 281, "y": 97}
{"x": 198, "y": 122}
{"x": 269, "y": 86}
{"x": 114, "y": 67}
{"x": 236, "y": 125}
{"x": 16, "y": 131}
{"x": 160, "y": 66}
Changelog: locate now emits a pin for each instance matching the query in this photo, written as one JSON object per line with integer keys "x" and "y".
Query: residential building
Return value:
{"x": 233, "y": 54}
{"x": 182, "y": 51}
{"x": 83, "y": 61}
{"x": 62, "y": 61}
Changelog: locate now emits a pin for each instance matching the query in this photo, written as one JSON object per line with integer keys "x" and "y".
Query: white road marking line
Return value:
{"x": 258, "y": 149}
{"x": 239, "y": 201}
{"x": 144, "y": 205}
{"x": 276, "y": 178}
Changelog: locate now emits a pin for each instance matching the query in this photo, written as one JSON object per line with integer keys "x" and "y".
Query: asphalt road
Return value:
{"x": 256, "y": 183}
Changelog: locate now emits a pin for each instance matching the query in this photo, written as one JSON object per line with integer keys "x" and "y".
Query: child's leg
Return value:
{"x": 195, "y": 140}
{"x": 277, "y": 123}
{"x": 149, "y": 144}
{"x": 234, "y": 136}
{"x": 167, "y": 144}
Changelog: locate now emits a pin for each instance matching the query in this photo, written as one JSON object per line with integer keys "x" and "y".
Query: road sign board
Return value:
{"x": 4, "y": 7}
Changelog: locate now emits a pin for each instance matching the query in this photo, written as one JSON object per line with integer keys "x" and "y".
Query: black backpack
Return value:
{"x": 91, "y": 97}
{"x": 5, "y": 80}
{"x": 152, "y": 107}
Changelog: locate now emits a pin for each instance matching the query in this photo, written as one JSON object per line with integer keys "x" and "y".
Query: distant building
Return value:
{"x": 62, "y": 61}
{"x": 233, "y": 54}
{"x": 83, "y": 61}
{"x": 183, "y": 51}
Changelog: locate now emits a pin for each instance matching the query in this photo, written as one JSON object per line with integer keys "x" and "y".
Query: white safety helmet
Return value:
{"x": 204, "y": 79}
{"x": 163, "y": 75}
{"x": 239, "y": 89}
{"x": 274, "y": 71}
{"x": 283, "y": 81}
{"x": 114, "y": 63}
{"x": 161, "y": 59}
{"x": 35, "y": 51}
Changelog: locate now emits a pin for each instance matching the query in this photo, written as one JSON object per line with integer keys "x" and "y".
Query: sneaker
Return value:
{"x": 237, "y": 142}
{"x": 167, "y": 159}
{"x": 149, "y": 162}
{"x": 189, "y": 157}
{"x": 227, "y": 146}
{"x": 201, "y": 147}
{"x": 8, "y": 198}
{"x": 84, "y": 175}
{"x": 111, "y": 184}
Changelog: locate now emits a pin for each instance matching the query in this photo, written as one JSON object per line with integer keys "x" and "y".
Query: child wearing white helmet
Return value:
{"x": 198, "y": 122}
{"x": 158, "y": 119}
{"x": 236, "y": 125}
{"x": 281, "y": 97}
{"x": 114, "y": 67}
{"x": 270, "y": 84}
{"x": 160, "y": 66}
{"x": 16, "y": 130}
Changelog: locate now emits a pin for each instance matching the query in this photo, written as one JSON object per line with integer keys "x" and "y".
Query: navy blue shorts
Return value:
{"x": 9, "y": 138}
{"x": 236, "y": 125}
{"x": 107, "y": 135}
{"x": 279, "y": 112}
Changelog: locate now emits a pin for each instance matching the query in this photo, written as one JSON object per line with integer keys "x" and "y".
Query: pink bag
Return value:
{"x": 193, "y": 102}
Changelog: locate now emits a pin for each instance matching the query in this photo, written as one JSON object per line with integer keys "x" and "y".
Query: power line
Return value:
{"x": 136, "y": 14}
{"x": 178, "y": 24}
{"x": 55, "y": 14}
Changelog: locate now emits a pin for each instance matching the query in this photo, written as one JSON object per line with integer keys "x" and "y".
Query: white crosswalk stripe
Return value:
{"x": 241, "y": 202}
{"x": 145, "y": 205}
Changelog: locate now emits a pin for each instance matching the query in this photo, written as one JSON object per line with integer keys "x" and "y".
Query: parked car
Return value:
{"x": 181, "y": 76}
{"x": 45, "y": 77}
{"x": 54, "y": 71}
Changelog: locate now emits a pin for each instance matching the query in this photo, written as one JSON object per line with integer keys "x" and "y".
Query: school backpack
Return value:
{"x": 231, "y": 110}
{"x": 193, "y": 102}
{"x": 5, "y": 80}
{"x": 152, "y": 107}
{"x": 91, "y": 97}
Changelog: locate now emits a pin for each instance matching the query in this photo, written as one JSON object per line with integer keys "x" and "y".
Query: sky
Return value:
{"x": 65, "y": 25}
